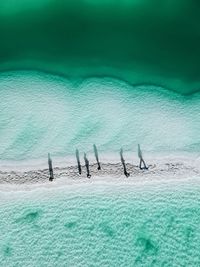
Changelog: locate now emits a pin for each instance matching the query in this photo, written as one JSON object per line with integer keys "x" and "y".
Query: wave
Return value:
{"x": 42, "y": 113}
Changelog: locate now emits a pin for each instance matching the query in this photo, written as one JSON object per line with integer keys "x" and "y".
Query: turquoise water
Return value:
{"x": 112, "y": 68}
{"x": 113, "y": 73}
{"x": 88, "y": 225}
{"x": 41, "y": 113}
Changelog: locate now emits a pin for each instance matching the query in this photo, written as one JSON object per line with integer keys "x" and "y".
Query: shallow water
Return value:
{"x": 118, "y": 66}
{"x": 41, "y": 113}
{"x": 149, "y": 225}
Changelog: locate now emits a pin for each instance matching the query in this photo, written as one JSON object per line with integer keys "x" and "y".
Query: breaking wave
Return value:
{"x": 41, "y": 113}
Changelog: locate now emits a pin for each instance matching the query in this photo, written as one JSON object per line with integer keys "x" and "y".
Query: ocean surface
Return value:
{"x": 114, "y": 73}
{"x": 138, "y": 41}
{"x": 152, "y": 224}
{"x": 41, "y": 113}
{"x": 110, "y": 73}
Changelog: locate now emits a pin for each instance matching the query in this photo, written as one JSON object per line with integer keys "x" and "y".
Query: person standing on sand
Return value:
{"x": 123, "y": 163}
{"x": 97, "y": 157}
{"x": 141, "y": 159}
{"x": 87, "y": 165}
{"x": 78, "y": 161}
{"x": 51, "y": 177}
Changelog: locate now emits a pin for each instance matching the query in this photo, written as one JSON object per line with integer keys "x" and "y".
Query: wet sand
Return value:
{"x": 161, "y": 170}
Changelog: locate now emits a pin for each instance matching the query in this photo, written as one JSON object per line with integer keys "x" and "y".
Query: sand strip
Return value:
{"x": 173, "y": 169}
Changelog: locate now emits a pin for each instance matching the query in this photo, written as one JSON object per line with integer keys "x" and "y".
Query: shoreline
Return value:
{"x": 164, "y": 169}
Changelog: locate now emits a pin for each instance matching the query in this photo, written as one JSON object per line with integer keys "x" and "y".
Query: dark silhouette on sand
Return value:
{"x": 123, "y": 163}
{"x": 97, "y": 157}
{"x": 78, "y": 161}
{"x": 87, "y": 165}
{"x": 141, "y": 160}
{"x": 51, "y": 177}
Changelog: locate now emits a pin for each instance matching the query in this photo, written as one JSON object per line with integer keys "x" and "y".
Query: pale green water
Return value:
{"x": 155, "y": 225}
{"x": 42, "y": 113}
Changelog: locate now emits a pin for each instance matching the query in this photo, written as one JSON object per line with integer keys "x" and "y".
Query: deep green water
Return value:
{"x": 139, "y": 41}
{"x": 88, "y": 225}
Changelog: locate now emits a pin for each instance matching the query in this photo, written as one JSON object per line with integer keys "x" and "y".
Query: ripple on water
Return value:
{"x": 104, "y": 111}
{"x": 155, "y": 227}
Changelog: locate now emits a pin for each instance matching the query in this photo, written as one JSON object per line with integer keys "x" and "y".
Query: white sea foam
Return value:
{"x": 42, "y": 113}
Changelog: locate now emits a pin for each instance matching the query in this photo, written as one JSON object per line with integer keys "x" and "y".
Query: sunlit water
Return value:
{"x": 145, "y": 225}
{"x": 42, "y": 113}
{"x": 141, "y": 42}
